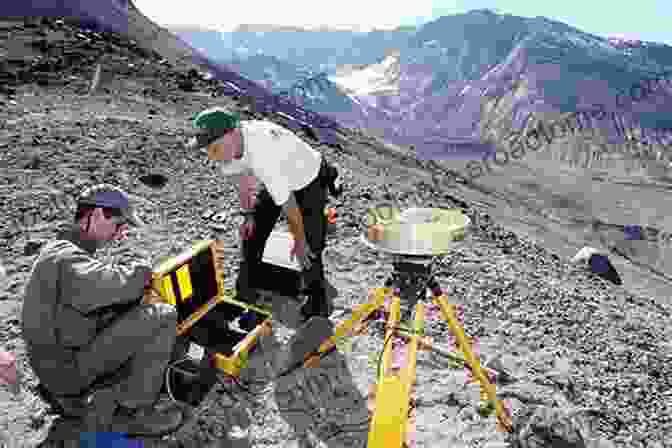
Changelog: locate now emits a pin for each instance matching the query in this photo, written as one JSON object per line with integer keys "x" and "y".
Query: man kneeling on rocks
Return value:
{"x": 86, "y": 323}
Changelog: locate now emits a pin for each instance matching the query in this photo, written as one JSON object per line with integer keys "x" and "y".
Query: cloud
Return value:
{"x": 226, "y": 16}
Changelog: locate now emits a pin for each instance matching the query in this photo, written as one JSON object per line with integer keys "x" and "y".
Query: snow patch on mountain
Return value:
{"x": 376, "y": 79}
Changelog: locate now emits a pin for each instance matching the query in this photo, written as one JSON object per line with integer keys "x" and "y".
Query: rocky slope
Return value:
{"x": 567, "y": 339}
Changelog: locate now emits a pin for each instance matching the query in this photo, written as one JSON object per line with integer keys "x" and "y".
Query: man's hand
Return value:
{"x": 150, "y": 294}
{"x": 247, "y": 228}
{"x": 148, "y": 279}
{"x": 122, "y": 233}
{"x": 301, "y": 251}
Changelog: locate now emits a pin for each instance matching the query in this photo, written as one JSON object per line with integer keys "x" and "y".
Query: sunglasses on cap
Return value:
{"x": 206, "y": 137}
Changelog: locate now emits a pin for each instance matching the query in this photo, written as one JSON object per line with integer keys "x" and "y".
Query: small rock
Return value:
{"x": 219, "y": 227}
{"x": 508, "y": 365}
{"x": 562, "y": 370}
{"x": 32, "y": 247}
{"x": 220, "y": 217}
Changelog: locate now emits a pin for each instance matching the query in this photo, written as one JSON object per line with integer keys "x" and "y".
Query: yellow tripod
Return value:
{"x": 389, "y": 425}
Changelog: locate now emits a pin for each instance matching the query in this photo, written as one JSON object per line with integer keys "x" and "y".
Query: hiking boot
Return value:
{"x": 149, "y": 422}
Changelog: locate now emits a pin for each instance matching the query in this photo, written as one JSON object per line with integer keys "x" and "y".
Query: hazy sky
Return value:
{"x": 644, "y": 19}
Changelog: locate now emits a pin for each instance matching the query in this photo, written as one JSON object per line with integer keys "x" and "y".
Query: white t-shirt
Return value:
{"x": 278, "y": 158}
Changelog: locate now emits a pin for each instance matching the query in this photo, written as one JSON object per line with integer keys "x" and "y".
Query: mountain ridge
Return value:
{"x": 565, "y": 69}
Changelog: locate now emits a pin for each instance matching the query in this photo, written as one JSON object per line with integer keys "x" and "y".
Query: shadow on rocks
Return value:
{"x": 544, "y": 426}
{"x": 322, "y": 401}
{"x": 325, "y": 401}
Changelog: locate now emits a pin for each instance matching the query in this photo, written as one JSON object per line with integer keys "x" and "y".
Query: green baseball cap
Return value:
{"x": 211, "y": 124}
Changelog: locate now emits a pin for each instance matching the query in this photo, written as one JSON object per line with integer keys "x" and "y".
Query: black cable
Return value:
{"x": 387, "y": 340}
{"x": 380, "y": 356}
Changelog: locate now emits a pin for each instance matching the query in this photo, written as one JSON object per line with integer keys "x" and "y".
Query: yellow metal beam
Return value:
{"x": 393, "y": 320}
{"x": 237, "y": 361}
{"x": 391, "y": 414}
{"x": 427, "y": 343}
{"x": 170, "y": 264}
{"x": 227, "y": 298}
{"x": 389, "y": 425}
{"x": 448, "y": 312}
{"x": 413, "y": 344}
{"x": 344, "y": 329}
{"x": 194, "y": 317}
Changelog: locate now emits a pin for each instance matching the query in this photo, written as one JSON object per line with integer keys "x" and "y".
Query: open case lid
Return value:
{"x": 189, "y": 280}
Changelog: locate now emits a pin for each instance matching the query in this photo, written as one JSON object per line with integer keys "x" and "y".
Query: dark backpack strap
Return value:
{"x": 329, "y": 175}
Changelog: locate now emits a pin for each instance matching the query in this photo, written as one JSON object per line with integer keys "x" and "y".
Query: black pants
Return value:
{"x": 311, "y": 201}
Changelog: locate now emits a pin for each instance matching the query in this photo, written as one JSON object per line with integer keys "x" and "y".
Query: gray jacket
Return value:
{"x": 69, "y": 299}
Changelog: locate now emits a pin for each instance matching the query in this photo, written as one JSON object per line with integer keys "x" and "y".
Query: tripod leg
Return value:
{"x": 390, "y": 421}
{"x": 448, "y": 312}
{"x": 344, "y": 329}
{"x": 392, "y": 322}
